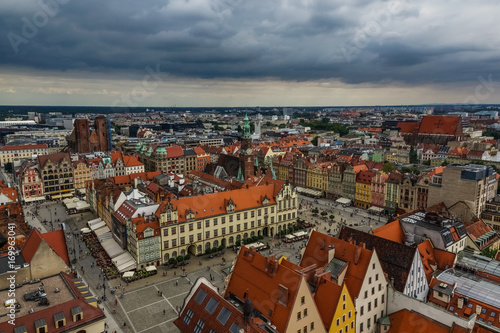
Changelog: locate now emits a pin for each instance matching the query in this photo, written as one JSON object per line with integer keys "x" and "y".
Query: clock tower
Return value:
{"x": 246, "y": 152}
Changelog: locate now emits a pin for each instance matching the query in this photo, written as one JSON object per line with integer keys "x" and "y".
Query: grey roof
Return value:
{"x": 472, "y": 286}
{"x": 76, "y": 310}
{"x": 443, "y": 288}
{"x": 5, "y": 264}
{"x": 40, "y": 322}
{"x": 20, "y": 329}
{"x": 480, "y": 263}
{"x": 59, "y": 316}
{"x": 335, "y": 266}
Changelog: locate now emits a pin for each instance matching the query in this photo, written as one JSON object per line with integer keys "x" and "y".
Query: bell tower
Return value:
{"x": 246, "y": 152}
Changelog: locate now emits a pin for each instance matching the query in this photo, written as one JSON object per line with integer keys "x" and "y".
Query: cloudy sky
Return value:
{"x": 248, "y": 53}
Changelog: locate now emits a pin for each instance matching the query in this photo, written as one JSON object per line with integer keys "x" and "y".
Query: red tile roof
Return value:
{"x": 391, "y": 231}
{"x": 317, "y": 250}
{"x": 409, "y": 321}
{"x": 447, "y": 125}
{"x": 479, "y": 228}
{"x": 174, "y": 151}
{"x": 131, "y": 161}
{"x": 24, "y": 147}
{"x": 434, "y": 259}
{"x": 54, "y": 158}
{"x": 215, "y": 203}
{"x": 211, "y": 320}
{"x": 259, "y": 278}
{"x": 55, "y": 239}
{"x": 407, "y": 127}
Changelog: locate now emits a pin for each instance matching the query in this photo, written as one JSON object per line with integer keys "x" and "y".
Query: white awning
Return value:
{"x": 92, "y": 222}
{"x": 127, "y": 266}
{"x": 101, "y": 231}
{"x": 112, "y": 248}
{"x": 82, "y": 205}
{"x": 309, "y": 191}
{"x": 376, "y": 209}
{"x": 343, "y": 201}
{"x": 289, "y": 236}
{"x": 300, "y": 234}
{"x": 257, "y": 245}
{"x": 151, "y": 268}
{"x": 85, "y": 230}
{"x": 128, "y": 274}
{"x": 97, "y": 225}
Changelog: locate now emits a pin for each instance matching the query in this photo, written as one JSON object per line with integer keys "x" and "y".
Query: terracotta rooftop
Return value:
{"x": 23, "y": 147}
{"x": 54, "y": 158}
{"x": 218, "y": 315}
{"x": 259, "y": 278}
{"x": 316, "y": 252}
{"x": 55, "y": 239}
{"x": 391, "y": 231}
{"x": 443, "y": 125}
{"x": 396, "y": 259}
{"x": 409, "y": 321}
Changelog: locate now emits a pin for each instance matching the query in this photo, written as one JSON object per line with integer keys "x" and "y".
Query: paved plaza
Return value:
{"x": 142, "y": 308}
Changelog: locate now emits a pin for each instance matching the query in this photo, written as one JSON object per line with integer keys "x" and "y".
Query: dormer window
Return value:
{"x": 230, "y": 206}
{"x": 41, "y": 325}
{"x": 190, "y": 214}
{"x": 20, "y": 329}
{"x": 59, "y": 320}
{"x": 169, "y": 215}
{"x": 77, "y": 313}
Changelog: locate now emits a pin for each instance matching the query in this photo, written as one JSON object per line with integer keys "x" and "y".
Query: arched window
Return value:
{"x": 183, "y": 252}
{"x": 166, "y": 257}
{"x": 207, "y": 245}
{"x": 231, "y": 240}
{"x": 199, "y": 248}
{"x": 174, "y": 254}
{"x": 245, "y": 235}
{"x": 252, "y": 234}
{"x": 216, "y": 243}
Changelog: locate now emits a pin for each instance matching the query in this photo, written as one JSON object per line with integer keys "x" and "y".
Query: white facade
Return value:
{"x": 371, "y": 303}
{"x": 416, "y": 283}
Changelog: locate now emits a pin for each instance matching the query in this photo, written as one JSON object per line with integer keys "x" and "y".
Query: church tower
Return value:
{"x": 246, "y": 153}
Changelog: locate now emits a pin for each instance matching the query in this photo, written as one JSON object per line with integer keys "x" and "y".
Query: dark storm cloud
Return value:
{"x": 353, "y": 41}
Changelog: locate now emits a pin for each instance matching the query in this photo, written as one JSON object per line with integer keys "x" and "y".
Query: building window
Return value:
{"x": 369, "y": 306}
{"x": 305, "y": 313}
{"x": 383, "y": 299}
{"x": 366, "y": 294}
{"x": 350, "y": 314}
{"x": 376, "y": 277}
{"x": 369, "y": 280}
{"x": 362, "y": 310}
{"x": 299, "y": 315}
{"x": 199, "y": 326}
{"x": 343, "y": 318}
{"x": 181, "y": 228}
{"x": 376, "y": 302}
{"x": 187, "y": 317}
{"x": 302, "y": 300}
{"x": 312, "y": 326}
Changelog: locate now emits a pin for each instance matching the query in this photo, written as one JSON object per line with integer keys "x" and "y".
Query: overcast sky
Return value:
{"x": 249, "y": 53}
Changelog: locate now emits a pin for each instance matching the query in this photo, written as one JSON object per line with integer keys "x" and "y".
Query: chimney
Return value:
{"x": 460, "y": 303}
{"x": 331, "y": 252}
{"x": 357, "y": 255}
{"x": 363, "y": 245}
{"x": 283, "y": 294}
{"x": 478, "y": 309}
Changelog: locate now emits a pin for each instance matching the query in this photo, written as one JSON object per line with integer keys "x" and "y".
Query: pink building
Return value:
{"x": 377, "y": 187}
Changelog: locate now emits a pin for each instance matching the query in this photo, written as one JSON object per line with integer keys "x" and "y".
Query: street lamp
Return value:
{"x": 103, "y": 284}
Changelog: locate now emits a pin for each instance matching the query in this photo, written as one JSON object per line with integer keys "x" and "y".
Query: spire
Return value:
{"x": 246, "y": 127}
{"x": 240, "y": 175}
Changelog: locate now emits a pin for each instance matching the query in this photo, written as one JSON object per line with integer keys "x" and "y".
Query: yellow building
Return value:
{"x": 82, "y": 174}
{"x": 344, "y": 317}
{"x": 317, "y": 176}
{"x": 196, "y": 224}
{"x": 10, "y": 153}
{"x": 363, "y": 196}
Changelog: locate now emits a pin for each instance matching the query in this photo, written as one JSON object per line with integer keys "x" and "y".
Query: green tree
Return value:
{"x": 269, "y": 124}
{"x": 282, "y": 126}
{"x": 8, "y": 167}
{"x": 315, "y": 140}
{"x": 428, "y": 162}
{"x": 445, "y": 163}
{"x": 388, "y": 167}
{"x": 413, "y": 155}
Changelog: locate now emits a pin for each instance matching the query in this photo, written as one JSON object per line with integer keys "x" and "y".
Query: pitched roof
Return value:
{"x": 221, "y": 316}
{"x": 131, "y": 161}
{"x": 24, "y": 147}
{"x": 433, "y": 259}
{"x": 443, "y": 125}
{"x": 318, "y": 247}
{"x": 54, "y": 158}
{"x": 480, "y": 229}
{"x": 396, "y": 259}
{"x": 259, "y": 278}
{"x": 409, "y": 321}
{"x": 55, "y": 239}
{"x": 216, "y": 203}
{"x": 327, "y": 296}
{"x": 175, "y": 151}
{"x": 391, "y": 231}
{"x": 407, "y": 127}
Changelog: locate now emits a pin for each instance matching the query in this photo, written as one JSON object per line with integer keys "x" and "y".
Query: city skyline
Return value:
{"x": 235, "y": 53}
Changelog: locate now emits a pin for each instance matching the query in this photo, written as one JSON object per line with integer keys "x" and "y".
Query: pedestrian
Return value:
{"x": 176, "y": 282}
{"x": 164, "y": 312}
{"x": 116, "y": 301}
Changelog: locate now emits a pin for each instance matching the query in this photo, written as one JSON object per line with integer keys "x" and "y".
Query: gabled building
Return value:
{"x": 391, "y": 197}
{"x": 357, "y": 267}
{"x": 57, "y": 175}
{"x": 401, "y": 263}
{"x": 334, "y": 190}
{"x": 279, "y": 292}
{"x": 30, "y": 182}
{"x": 195, "y": 224}
{"x": 408, "y": 193}
{"x": 18, "y": 152}
{"x": 378, "y": 189}
{"x": 363, "y": 195}
{"x": 204, "y": 307}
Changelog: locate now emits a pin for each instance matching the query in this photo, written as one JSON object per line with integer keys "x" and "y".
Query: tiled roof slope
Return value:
{"x": 215, "y": 203}
{"x": 259, "y": 278}
{"x": 396, "y": 259}
{"x": 316, "y": 252}
{"x": 391, "y": 231}
{"x": 200, "y": 295}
